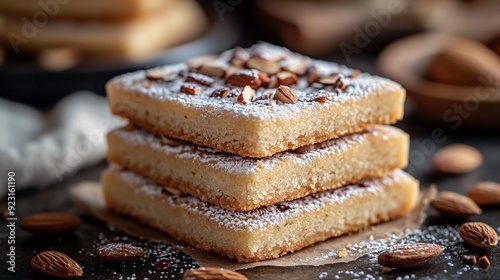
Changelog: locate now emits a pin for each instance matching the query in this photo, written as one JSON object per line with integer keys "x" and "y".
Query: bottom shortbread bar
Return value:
{"x": 267, "y": 232}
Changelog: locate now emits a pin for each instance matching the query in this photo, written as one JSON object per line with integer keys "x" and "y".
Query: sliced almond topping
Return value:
{"x": 199, "y": 79}
{"x": 267, "y": 52}
{"x": 410, "y": 255}
{"x": 479, "y": 235}
{"x": 286, "y": 78}
{"x": 295, "y": 64}
{"x": 245, "y": 77}
{"x": 329, "y": 80}
{"x": 231, "y": 70}
{"x": 313, "y": 77}
{"x": 323, "y": 97}
{"x": 264, "y": 79}
{"x": 457, "y": 158}
{"x": 239, "y": 57}
{"x": 246, "y": 95}
{"x": 273, "y": 82}
{"x": 286, "y": 95}
{"x": 455, "y": 205}
{"x": 267, "y": 66}
{"x": 160, "y": 75}
{"x": 220, "y": 92}
{"x": 213, "y": 69}
{"x": 191, "y": 88}
{"x": 341, "y": 83}
{"x": 266, "y": 96}
{"x": 196, "y": 62}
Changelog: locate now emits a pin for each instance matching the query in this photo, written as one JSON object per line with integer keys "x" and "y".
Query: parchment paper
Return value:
{"x": 88, "y": 195}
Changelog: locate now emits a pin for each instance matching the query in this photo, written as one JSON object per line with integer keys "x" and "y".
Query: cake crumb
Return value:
{"x": 343, "y": 253}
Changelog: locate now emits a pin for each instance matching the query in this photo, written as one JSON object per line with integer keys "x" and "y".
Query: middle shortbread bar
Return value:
{"x": 243, "y": 184}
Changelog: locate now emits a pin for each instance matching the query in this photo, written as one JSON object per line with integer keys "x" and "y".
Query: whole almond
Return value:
{"x": 286, "y": 95}
{"x": 329, "y": 80}
{"x": 410, "y": 255}
{"x": 479, "y": 235}
{"x": 212, "y": 273}
{"x": 119, "y": 252}
{"x": 485, "y": 193}
{"x": 50, "y": 223}
{"x": 457, "y": 158}
{"x": 56, "y": 264}
{"x": 455, "y": 205}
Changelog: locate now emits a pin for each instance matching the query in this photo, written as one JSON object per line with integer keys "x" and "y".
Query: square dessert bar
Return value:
{"x": 267, "y": 232}
{"x": 255, "y": 102}
{"x": 242, "y": 184}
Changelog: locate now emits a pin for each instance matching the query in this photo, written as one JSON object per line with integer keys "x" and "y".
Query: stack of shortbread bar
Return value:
{"x": 257, "y": 152}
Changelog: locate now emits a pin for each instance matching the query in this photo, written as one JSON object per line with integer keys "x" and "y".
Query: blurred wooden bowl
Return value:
{"x": 476, "y": 107}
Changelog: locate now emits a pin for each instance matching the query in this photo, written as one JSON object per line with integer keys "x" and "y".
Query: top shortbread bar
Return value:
{"x": 255, "y": 102}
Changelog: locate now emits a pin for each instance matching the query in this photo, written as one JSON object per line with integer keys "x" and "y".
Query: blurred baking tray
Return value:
{"x": 23, "y": 80}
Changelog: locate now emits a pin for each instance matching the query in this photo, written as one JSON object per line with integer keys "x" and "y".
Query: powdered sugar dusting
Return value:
{"x": 266, "y": 216}
{"x": 238, "y": 165}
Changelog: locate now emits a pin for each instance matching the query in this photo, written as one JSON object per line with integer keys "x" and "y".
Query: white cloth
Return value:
{"x": 44, "y": 147}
